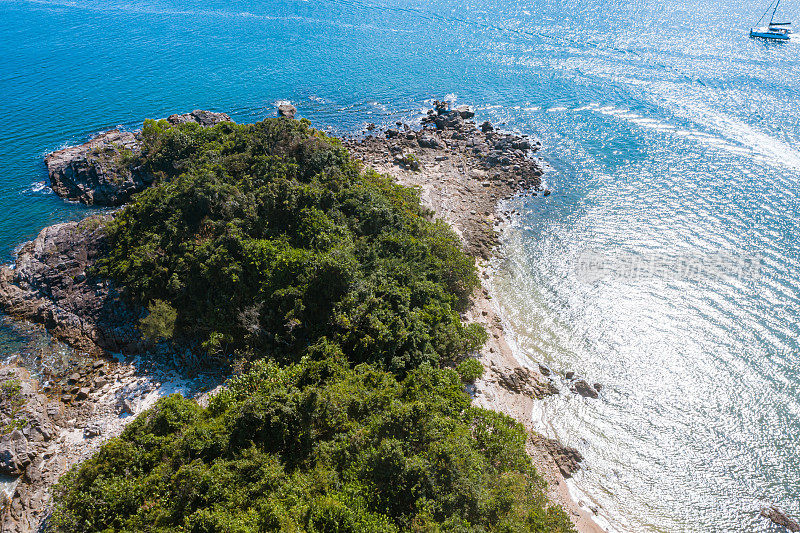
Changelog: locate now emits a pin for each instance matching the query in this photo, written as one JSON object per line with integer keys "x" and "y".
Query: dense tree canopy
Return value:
{"x": 267, "y": 237}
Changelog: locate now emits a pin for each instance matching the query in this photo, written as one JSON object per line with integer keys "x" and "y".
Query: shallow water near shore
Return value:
{"x": 665, "y": 265}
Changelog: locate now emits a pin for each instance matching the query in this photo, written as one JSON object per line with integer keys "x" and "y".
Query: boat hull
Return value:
{"x": 772, "y": 36}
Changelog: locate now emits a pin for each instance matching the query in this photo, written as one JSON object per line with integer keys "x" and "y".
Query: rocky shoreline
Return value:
{"x": 100, "y": 172}
{"x": 55, "y": 420}
{"x": 462, "y": 171}
{"x": 52, "y": 433}
{"x": 62, "y": 416}
{"x": 51, "y": 284}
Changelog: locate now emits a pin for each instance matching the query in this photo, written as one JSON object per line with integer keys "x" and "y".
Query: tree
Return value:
{"x": 159, "y": 324}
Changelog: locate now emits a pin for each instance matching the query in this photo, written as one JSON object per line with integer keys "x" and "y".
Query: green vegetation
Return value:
{"x": 314, "y": 447}
{"x": 266, "y": 238}
{"x": 159, "y": 322}
{"x": 338, "y": 302}
{"x": 412, "y": 161}
{"x": 469, "y": 370}
{"x": 11, "y": 403}
{"x": 126, "y": 157}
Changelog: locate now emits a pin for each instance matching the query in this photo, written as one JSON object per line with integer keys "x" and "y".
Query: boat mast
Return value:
{"x": 773, "y": 12}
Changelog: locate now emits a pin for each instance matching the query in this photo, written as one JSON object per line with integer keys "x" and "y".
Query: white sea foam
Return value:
{"x": 39, "y": 187}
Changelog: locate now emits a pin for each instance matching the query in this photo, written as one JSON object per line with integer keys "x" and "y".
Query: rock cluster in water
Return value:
{"x": 96, "y": 173}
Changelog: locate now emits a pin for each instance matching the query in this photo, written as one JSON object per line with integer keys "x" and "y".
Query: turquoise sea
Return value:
{"x": 665, "y": 265}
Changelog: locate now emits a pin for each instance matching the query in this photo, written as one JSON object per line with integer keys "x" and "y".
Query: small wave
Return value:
{"x": 38, "y": 187}
{"x": 220, "y": 13}
{"x": 380, "y": 106}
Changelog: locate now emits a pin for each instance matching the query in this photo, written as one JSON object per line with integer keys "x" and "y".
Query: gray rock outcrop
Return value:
{"x": 51, "y": 284}
{"x": 99, "y": 172}
{"x": 204, "y": 118}
{"x": 14, "y": 456}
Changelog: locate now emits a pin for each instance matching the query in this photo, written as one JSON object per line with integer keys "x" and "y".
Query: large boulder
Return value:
{"x": 465, "y": 111}
{"x": 100, "y": 171}
{"x": 449, "y": 121}
{"x": 583, "y": 388}
{"x": 287, "y": 110}
{"x": 428, "y": 141}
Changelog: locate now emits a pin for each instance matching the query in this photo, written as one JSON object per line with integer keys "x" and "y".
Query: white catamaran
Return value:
{"x": 776, "y": 31}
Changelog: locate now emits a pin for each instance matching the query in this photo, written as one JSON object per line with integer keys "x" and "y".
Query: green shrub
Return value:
{"x": 469, "y": 370}
{"x": 11, "y": 403}
{"x": 159, "y": 322}
{"x": 411, "y": 162}
{"x": 314, "y": 447}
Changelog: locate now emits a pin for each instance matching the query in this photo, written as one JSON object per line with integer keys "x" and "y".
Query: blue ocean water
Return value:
{"x": 665, "y": 265}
